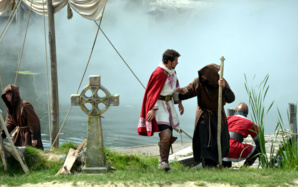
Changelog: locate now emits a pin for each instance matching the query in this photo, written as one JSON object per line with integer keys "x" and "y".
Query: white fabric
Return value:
{"x": 41, "y": 6}
{"x": 3, "y": 6}
{"x": 90, "y": 9}
{"x": 166, "y": 110}
{"x": 162, "y": 115}
{"x": 169, "y": 71}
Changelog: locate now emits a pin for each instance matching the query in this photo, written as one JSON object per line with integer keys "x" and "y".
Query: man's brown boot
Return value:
{"x": 164, "y": 148}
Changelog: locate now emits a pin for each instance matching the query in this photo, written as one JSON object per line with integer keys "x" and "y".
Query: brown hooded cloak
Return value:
{"x": 22, "y": 117}
{"x": 205, "y": 134}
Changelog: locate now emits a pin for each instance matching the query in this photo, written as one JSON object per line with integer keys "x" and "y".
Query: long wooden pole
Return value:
{"x": 219, "y": 114}
{"x": 24, "y": 166}
{"x": 54, "y": 76}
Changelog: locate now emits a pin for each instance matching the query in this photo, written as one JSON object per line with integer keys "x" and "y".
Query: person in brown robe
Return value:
{"x": 205, "y": 88}
{"x": 21, "y": 117}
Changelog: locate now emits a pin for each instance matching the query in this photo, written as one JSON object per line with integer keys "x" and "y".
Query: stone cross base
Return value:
{"x": 96, "y": 170}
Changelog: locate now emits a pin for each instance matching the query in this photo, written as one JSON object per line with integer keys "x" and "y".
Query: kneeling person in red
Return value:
{"x": 239, "y": 128}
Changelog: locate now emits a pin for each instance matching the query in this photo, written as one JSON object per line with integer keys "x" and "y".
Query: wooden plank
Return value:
{"x": 70, "y": 159}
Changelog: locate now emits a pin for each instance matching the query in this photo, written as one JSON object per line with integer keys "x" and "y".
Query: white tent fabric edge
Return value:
{"x": 89, "y": 9}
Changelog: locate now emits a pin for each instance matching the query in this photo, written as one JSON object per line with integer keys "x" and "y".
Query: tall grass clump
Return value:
{"x": 287, "y": 155}
{"x": 257, "y": 94}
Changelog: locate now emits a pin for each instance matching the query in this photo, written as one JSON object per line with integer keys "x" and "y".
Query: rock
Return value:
{"x": 56, "y": 157}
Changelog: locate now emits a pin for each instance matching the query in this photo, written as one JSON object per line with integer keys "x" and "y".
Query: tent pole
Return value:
{"x": 54, "y": 75}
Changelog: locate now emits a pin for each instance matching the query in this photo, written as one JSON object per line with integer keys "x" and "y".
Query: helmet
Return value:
{"x": 241, "y": 107}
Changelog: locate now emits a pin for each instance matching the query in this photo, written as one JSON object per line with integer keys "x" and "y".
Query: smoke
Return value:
{"x": 256, "y": 37}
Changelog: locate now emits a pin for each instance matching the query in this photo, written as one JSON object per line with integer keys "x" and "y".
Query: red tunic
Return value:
{"x": 152, "y": 92}
{"x": 240, "y": 151}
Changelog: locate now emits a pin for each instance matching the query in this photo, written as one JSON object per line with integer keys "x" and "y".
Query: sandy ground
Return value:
{"x": 126, "y": 184}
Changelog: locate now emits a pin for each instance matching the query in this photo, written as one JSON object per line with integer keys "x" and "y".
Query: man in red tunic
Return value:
{"x": 239, "y": 128}
{"x": 158, "y": 112}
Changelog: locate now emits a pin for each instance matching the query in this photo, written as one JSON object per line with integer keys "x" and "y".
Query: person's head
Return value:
{"x": 208, "y": 76}
{"x": 8, "y": 95}
{"x": 241, "y": 109}
{"x": 11, "y": 97}
{"x": 170, "y": 58}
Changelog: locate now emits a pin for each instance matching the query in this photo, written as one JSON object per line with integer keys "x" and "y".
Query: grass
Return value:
{"x": 139, "y": 169}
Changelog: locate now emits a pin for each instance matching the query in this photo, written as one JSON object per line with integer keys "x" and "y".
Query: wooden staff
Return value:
{"x": 219, "y": 114}
{"x": 24, "y": 166}
{"x": 179, "y": 130}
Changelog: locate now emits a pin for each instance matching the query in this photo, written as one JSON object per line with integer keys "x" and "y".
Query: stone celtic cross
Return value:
{"x": 95, "y": 155}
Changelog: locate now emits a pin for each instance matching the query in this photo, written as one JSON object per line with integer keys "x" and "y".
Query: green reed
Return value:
{"x": 257, "y": 95}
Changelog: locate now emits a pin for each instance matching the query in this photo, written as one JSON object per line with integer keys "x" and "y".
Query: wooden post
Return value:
{"x": 54, "y": 76}
{"x": 21, "y": 161}
{"x": 3, "y": 156}
{"x": 293, "y": 120}
{"x": 219, "y": 115}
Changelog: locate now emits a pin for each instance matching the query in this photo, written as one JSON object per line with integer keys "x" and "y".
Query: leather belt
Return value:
{"x": 236, "y": 136}
{"x": 17, "y": 129}
{"x": 165, "y": 98}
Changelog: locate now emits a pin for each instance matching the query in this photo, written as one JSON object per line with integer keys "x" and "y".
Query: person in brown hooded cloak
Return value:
{"x": 205, "y": 88}
{"x": 21, "y": 117}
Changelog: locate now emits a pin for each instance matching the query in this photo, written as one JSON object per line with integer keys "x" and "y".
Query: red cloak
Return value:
{"x": 152, "y": 92}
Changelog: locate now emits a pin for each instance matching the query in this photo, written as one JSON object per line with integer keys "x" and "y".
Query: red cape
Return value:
{"x": 152, "y": 92}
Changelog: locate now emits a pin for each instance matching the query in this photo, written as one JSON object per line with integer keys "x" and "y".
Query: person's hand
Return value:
{"x": 34, "y": 143}
{"x": 222, "y": 83}
{"x": 150, "y": 115}
{"x": 181, "y": 108}
{"x": 3, "y": 135}
{"x": 179, "y": 90}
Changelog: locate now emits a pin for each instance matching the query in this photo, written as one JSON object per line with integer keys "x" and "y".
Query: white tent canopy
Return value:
{"x": 90, "y": 9}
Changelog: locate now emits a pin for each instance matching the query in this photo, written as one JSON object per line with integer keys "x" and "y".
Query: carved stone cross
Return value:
{"x": 95, "y": 155}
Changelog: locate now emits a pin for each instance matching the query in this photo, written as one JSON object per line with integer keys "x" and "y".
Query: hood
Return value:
{"x": 15, "y": 97}
{"x": 210, "y": 71}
